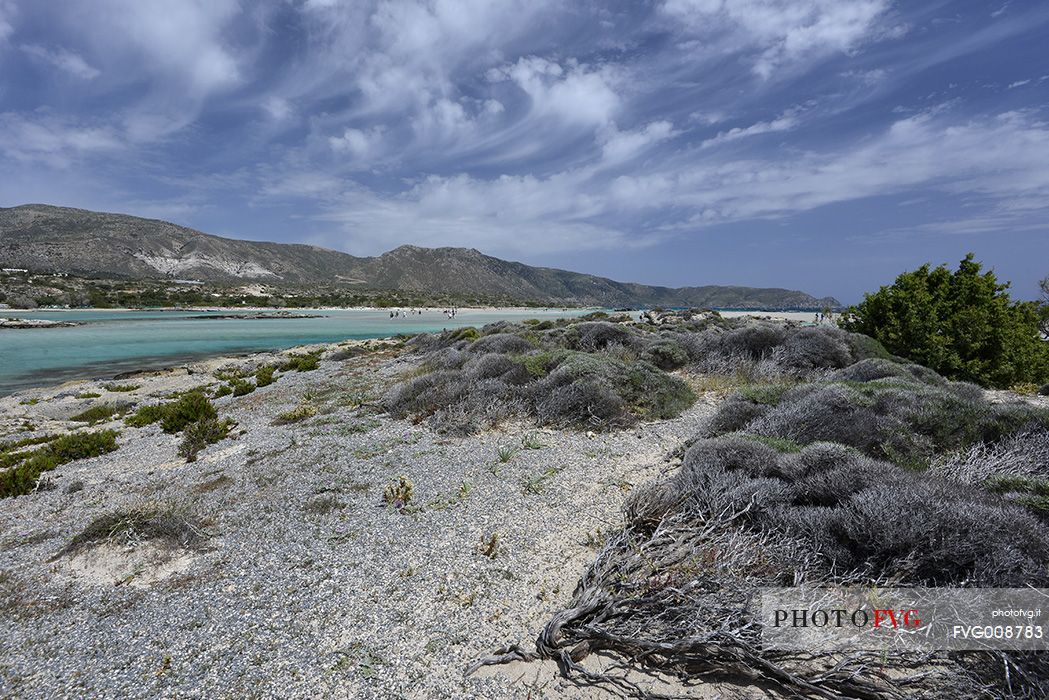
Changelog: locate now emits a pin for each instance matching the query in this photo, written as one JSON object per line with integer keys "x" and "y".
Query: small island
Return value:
{"x": 34, "y": 323}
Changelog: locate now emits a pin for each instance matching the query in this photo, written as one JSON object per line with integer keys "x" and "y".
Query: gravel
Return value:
{"x": 307, "y": 584}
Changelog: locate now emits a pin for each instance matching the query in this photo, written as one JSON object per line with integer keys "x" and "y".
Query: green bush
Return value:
{"x": 224, "y": 390}
{"x": 22, "y": 478}
{"x": 241, "y": 387}
{"x": 199, "y": 435}
{"x": 176, "y": 415}
{"x": 264, "y": 375}
{"x": 964, "y": 325}
{"x": 301, "y": 363}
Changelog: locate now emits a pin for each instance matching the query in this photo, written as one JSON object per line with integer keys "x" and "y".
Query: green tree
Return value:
{"x": 1043, "y": 307}
{"x": 963, "y": 324}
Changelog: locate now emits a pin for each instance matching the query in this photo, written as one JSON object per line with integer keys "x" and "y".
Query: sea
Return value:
{"x": 111, "y": 342}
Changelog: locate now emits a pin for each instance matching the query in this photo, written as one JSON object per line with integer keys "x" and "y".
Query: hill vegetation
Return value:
{"x": 49, "y": 239}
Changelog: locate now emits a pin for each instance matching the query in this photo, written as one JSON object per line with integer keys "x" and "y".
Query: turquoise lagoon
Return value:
{"x": 109, "y": 342}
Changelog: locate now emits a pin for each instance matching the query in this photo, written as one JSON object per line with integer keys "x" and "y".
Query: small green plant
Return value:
{"x": 537, "y": 484}
{"x": 29, "y": 402}
{"x": 531, "y": 442}
{"x": 88, "y": 395}
{"x": 121, "y": 387}
{"x": 199, "y": 435}
{"x": 98, "y": 413}
{"x": 1027, "y": 388}
{"x": 224, "y": 390}
{"x": 399, "y": 493}
{"x": 506, "y": 453}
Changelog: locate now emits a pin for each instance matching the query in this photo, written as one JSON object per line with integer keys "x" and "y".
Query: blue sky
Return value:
{"x": 823, "y": 145}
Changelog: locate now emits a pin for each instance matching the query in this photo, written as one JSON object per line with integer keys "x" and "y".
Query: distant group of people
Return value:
{"x": 398, "y": 313}
{"x": 822, "y": 316}
{"x": 405, "y": 313}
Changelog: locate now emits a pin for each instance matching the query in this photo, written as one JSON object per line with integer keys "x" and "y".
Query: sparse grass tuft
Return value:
{"x": 537, "y": 484}
{"x": 88, "y": 395}
{"x": 306, "y": 409}
{"x": 128, "y": 528}
{"x": 531, "y": 442}
{"x": 506, "y": 453}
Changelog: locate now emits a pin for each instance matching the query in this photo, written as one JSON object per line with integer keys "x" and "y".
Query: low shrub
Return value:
{"x": 304, "y": 410}
{"x": 88, "y": 395}
{"x": 202, "y": 433}
{"x": 241, "y": 387}
{"x": 897, "y": 412}
{"x": 22, "y": 475}
{"x": 223, "y": 390}
{"x": 121, "y": 387}
{"x": 98, "y": 413}
{"x": 264, "y": 375}
{"x": 301, "y": 363}
{"x": 175, "y": 415}
{"x": 861, "y": 514}
{"x": 666, "y": 354}
{"x": 170, "y": 525}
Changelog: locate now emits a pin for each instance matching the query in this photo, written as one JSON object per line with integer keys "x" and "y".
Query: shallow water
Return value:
{"x": 110, "y": 342}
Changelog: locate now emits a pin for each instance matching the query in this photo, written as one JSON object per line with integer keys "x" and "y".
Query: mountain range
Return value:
{"x": 44, "y": 238}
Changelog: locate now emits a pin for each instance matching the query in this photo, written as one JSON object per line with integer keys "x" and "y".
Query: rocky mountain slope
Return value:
{"x": 57, "y": 239}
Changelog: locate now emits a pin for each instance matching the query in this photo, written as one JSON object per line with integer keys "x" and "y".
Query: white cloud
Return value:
{"x": 7, "y": 12}
{"x": 64, "y": 60}
{"x": 1001, "y": 162}
{"x": 1018, "y": 83}
{"x": 278, "y": 108}
{"x": 362, "y": 146}
{"x": 783, "y": 31}
{"x": 575, "y": 93}
{"x": 621, "y": 146}
{"x": 785, "y": 122}
{"x": 55, "y": 141}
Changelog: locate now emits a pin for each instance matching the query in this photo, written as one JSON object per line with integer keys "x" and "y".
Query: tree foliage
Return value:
{"x": 963, "y": 324}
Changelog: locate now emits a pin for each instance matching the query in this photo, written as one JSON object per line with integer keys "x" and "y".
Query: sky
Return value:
{"x": 822, "y": 145}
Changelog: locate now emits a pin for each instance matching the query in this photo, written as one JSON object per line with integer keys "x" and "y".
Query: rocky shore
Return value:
{"x": 34, "y": 323}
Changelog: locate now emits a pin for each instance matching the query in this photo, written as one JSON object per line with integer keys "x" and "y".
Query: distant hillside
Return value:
{"x": 56, "y": 239}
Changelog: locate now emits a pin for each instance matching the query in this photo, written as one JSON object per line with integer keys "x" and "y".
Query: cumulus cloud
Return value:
{"x": 573, "y": 93}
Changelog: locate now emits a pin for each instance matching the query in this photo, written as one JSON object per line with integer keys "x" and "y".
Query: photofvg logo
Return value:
{"x": 904, "y": 619}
